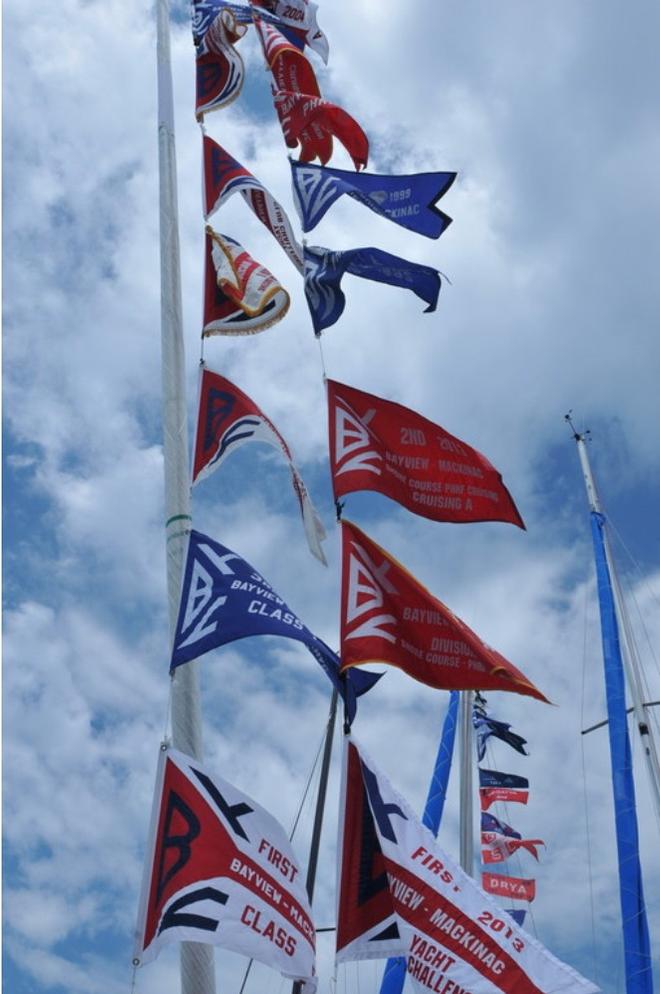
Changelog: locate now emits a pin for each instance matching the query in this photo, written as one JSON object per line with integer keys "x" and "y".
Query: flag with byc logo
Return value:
{"x": 220, "y": 869}
{"x": 223, "y": 599}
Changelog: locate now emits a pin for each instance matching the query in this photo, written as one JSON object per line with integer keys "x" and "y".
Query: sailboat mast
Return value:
{"x": 197, "y": 972}
{"x": 466, "y": 817}
{"x": 629, "y": 654}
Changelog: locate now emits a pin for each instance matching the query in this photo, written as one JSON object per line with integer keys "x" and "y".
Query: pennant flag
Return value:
{"x": 400, "y": 894}
{"x": 221, "y": 870}
{"x": 378, "y": 445}
{"x": 501, "y": 841}
{"x": 223, "y": 599}
{"x": 407, "y": 200}
{"x": 241, "y": 297}
{"x": 223, "y": 176}
{"x": 324, "y": 271}
{"x": 387, "y": 615}
{"x": 302, "y": 114}
{"x": 495, "y": 786}
{"x": 497, "y": 848}
{"x": 227, "y": 419}
{"x": 517, "y": 915}
{"x": 296, "y": 19}
{"x": 489, "y": 823}
{"x": 291, "y": 69}
{"x": 515, "y": 887}
{"x": 487, "y": 727}
{"x": 220, "y": 69}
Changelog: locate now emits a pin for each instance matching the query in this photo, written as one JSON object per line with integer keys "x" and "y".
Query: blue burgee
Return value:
{"x": 407, "y": 200}
{"x": 223, "y": 599}
{"x": 324, "y": 270}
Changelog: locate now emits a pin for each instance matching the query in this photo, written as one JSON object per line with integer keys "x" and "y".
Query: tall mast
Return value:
{"x": 466, "y": 817}
{"x": 629, "y": 654}
{"x": 620, "y": 661}
{"x": 197, "y": 972}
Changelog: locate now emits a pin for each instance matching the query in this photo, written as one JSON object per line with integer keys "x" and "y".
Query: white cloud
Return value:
{"x": 547, "y": 114}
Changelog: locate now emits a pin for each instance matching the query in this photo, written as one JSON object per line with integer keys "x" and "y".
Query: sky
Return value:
{"x": 548, "y": 112}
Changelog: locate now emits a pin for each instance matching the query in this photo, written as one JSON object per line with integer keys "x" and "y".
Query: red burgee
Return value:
{"x": 302, "y": 115}
{"x": 378, "y": 445}
{"x": 387, "y": 616}
{"x": 509, "y": 887}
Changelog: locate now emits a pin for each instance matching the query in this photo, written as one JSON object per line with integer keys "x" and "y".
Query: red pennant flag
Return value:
{"x": 510, "y": 887}
{"x": 290, "y": 68}
{"x": 219, "y": 66}
{"x": 389, "y": 617}
{"x": 376, "y": 444}
{"x": 498, "y": 848}
{"x": 299, "y": 112}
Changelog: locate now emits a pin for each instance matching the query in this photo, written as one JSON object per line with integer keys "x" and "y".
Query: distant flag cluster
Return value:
{"x": 499, "y": 841}
{"x": 219, "y": 868}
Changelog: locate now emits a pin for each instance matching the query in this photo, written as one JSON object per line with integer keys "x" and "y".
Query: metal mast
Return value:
{"x": 466, "y": 818}
{"x": 197, "y": 972}
{"x": 629, "y": 654}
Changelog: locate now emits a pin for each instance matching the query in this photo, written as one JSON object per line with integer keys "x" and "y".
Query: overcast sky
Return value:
{"x": 549, "y": 113}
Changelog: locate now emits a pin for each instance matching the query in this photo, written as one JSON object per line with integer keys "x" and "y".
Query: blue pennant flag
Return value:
{"x": 224, "y": 599}
{"x": 489, "y": 823}
{"x": 486, "y": 726}
{"x": 407, "y": 200}
{"x": 324, "y": 270}
{"x": 518, "y": 915}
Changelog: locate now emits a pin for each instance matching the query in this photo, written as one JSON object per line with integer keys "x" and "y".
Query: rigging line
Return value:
{"x": 635, "y": 564}
{"x": 322, "y": 355}
{"x": 307, "y": 786}
{"x": 584, "y": 786}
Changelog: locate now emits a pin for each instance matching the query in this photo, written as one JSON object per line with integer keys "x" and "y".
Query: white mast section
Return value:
{"x": 197, "y": 971}
{"x": 629, "y": 654}
{"x": 466, "y": 817}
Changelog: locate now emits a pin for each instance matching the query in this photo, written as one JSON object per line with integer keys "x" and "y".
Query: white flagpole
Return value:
{"x": 197, "y": 971}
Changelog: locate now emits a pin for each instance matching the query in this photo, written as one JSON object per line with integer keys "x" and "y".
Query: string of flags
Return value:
{"x": 499, "y": 841}
{"x": 219, "y": 867}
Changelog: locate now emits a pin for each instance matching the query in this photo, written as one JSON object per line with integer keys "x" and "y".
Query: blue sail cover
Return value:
{"x": 639, "y": 977}
{"x": 395, "y": 968}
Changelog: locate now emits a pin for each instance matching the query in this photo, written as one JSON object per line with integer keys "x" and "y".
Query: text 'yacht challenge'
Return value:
{"x": 220, "y": 870}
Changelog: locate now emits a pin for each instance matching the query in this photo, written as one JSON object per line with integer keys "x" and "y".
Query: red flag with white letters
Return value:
{"x": 509, "y": 887}
{"x": 376, "y": 444}
{"x": 389, "y": 617}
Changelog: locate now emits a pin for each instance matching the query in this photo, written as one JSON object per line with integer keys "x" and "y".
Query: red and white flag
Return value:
{"x": 401, "y": 895}
{"x": 509, "y": 887}
{"x": 226, "y": 419}
{"x": 291, "y": 69}
{"x": 302, "y": 115}
{"x": 221, "y": 870}
{"x": 224, "y": 176}
{"x": 219, "y": 67}
{"x": 387, "y": 616}
{"x": 376, "y": 444}
{"x": 241, "y": 297}
{"x": 497, "y": 848}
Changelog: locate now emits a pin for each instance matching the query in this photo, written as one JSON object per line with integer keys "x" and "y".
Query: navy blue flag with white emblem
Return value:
{"x": 324, "y": 270}
{"x": 407, "y": 200}
{"x": 223, "y": 599}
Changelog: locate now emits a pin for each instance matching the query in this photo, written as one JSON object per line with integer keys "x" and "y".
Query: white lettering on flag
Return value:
{"x": 453, "y": 935}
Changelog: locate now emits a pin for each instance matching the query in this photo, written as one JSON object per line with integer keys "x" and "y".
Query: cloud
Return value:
{"x": 547, "y": 114}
